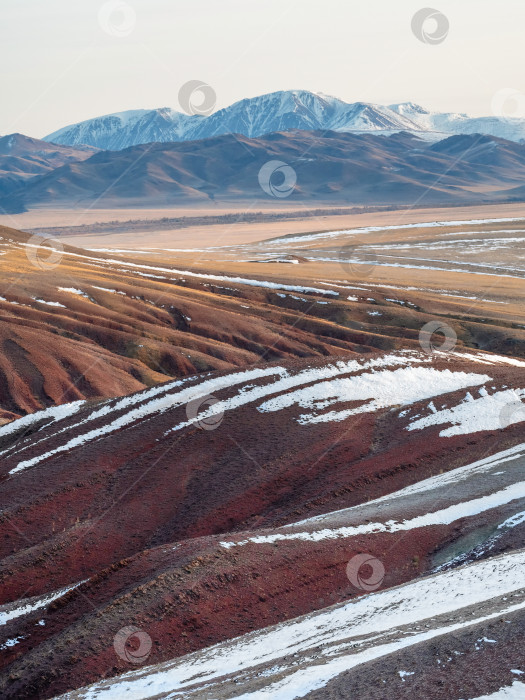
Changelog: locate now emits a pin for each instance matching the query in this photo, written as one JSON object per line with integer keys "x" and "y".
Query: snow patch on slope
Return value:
{"x": 346, "y": 625}
{"x": 432, "y": 484}
{"x": 25, "y": 606}
{"x": 380, "y": 389}
{"x": 445, "y": 516}
{"x": 55, "y": 413}
{"x": 516, "y": 691}
{"x": 489, "y": 412}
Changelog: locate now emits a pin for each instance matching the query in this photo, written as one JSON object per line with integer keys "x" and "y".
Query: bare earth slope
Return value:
{"x": 91, "y": 328}
{"x": 184, "y": 505}
{"x": 385, "y": 645}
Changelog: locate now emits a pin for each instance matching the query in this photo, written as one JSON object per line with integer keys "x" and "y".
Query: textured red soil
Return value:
{"x": 197, "y": 594}
{"x": 139, "y": 510}
{"x": 195, "y": 482}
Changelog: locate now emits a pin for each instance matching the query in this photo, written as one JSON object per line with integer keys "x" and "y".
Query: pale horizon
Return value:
{"x": 66, "y": 64}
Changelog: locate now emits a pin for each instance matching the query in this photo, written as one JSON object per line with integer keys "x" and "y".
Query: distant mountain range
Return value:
{"x": 328, "y": 167}
{"x": 278, "y": 111}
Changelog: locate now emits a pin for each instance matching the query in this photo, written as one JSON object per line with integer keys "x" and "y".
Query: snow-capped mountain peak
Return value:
{"x": 120, "y": 130}
{"x": 283, "y": 110}
{"x": 408, "y": 109}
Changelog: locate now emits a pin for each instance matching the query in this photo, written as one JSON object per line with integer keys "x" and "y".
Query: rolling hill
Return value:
{"x": 247, "y": 472}
{"x": 22, "y": 158}
{"x": 82, "y": 324}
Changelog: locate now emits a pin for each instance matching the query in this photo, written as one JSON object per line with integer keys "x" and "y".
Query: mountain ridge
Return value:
{"x": 339, "y": 167}
{"x": 278, "y": 111}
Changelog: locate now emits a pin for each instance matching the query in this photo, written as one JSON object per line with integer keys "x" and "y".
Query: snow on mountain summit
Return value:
{"x": 114, "y": 132}
{"x": 277, "y": 111}
{"x": 408, "y": 109}
{"x": 283, "y": 110}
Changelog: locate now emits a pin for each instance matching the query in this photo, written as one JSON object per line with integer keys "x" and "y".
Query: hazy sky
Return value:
{"x": 64, "y": 61}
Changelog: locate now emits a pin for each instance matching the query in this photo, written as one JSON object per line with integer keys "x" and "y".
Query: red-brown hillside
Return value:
{"x": 181, "y": 505}
{"x": 85, "y": 324}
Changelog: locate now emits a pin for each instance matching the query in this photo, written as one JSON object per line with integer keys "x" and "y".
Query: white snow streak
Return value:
{"x": 445, "y": 516}
{"x": 348, "y": 624}
{"x": 490, "y": 412}
{"x": 381, "y": 389}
